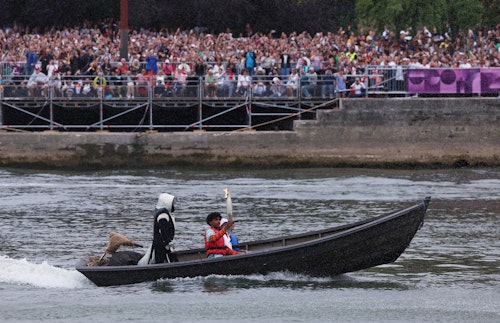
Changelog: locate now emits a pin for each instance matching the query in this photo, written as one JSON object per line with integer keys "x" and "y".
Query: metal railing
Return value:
{"x": 107, "y": 87}
{"x": 102, "y": 103}
{"x": 167, "y": 103}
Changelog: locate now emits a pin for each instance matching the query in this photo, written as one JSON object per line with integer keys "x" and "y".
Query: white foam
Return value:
{"x": 22, "y": 272}
{"x": 273, "y": 276}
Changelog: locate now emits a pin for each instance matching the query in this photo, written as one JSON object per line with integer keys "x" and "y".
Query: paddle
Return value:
{"x": 229, "y": 205}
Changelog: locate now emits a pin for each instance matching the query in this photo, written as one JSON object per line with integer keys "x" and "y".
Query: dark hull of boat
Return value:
{"x": 329, "y": 252}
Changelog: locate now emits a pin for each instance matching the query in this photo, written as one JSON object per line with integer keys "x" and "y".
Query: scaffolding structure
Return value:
{"x": 156, "y": 114}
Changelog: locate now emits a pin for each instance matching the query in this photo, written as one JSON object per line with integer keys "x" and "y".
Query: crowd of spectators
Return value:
{"x": 226, "y": 62}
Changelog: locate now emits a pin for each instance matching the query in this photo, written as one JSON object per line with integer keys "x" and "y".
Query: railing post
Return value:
{"x": 200, "y": 102}
{"x": 249, "y": 113}
{"x": 299, "y": 97}
{"x": 101, "y": 107}
{"x": 249, "y": 107}
{"x": 51, "y": 106}
{"x": 150, "y": 103}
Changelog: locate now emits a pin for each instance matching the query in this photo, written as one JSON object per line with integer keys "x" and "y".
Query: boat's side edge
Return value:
{"x": 92, "y": 272}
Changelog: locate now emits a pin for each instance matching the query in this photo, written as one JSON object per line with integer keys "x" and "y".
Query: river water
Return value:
{"x": 449, "y": 273}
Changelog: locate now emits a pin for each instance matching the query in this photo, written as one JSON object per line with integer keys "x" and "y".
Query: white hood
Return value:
{"x": 166, "y": 201}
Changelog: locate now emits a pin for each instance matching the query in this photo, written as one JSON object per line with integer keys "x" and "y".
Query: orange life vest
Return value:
{"x": 216, "y": 247}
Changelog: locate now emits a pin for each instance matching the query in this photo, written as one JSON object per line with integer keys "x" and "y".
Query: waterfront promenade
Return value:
{"x": 371, "y": 132}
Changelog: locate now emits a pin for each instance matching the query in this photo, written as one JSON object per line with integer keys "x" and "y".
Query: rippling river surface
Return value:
{"x": 449, "y": 273}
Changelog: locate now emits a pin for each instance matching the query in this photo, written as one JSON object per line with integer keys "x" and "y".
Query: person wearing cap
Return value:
{"x": 214, "y": 237}
{"x": 277, "y": 89}
{"x": 37, "y": 82}
{"x": 163, "y": 232}
{"x": 230, "y": 239}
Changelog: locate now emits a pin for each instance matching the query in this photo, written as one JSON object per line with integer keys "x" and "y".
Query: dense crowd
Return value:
{"x": 94, "y": 51}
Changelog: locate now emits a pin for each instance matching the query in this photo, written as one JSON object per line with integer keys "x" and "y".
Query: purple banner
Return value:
{"x": 453, "y": 80}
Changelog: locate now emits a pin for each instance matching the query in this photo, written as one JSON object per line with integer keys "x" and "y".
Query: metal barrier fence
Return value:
{"x": 166, "y": 103}
{"x": 375, "y": 80}
{"x": 102, "y": 103}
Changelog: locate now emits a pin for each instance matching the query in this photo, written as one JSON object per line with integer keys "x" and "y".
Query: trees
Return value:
{"x": 400, "y": 14}
{"x": 263, "y": 15}
{"x": 46, "y": 13}
{"x": 491, "y": 15}
{"x": 377, "y": 14}
{"x": 465, "y": 13}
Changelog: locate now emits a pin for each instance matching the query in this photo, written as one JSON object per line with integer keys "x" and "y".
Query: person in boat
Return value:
{"x": 214, "y": 237}
{"x": 163, "y": 232}
{"x": 230, "y": 239}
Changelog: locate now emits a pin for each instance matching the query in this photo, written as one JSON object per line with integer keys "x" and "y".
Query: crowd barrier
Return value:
{"x": 257, "y": 86}
{"x": 101, "y": 102}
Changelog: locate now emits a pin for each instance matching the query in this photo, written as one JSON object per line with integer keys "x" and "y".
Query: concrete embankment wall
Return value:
{"x": 363, "y": 132}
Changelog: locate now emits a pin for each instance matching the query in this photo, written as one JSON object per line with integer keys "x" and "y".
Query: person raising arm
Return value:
{"x": 214, "y": 237}
{"x": 230, "y": 237}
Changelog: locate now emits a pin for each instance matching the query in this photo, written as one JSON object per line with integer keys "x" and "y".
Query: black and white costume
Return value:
{"x": 163, "y": 232}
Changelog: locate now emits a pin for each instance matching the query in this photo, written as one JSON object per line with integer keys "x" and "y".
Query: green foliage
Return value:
{"x": 467, "y": 13}
{"x": 263, "y": 15}
{"x": 377, "y": 13}
{"x": 491, "y": 15}
{"x": 401, "y": 14}
{"x": 46, "y": 13}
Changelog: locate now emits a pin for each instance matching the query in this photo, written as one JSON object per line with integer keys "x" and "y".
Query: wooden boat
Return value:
{"x": 342, "y": 249}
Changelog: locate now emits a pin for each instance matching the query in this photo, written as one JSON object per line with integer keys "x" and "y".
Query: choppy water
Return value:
{"x": 449, "y": 273}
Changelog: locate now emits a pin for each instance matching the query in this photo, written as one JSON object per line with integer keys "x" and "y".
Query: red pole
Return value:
{"x": 124, "y": 29}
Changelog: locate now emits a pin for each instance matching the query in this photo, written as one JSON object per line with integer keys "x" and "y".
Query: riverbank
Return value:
{"x": 406, "y": 132}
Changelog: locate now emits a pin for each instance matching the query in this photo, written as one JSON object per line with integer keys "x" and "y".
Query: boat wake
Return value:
{"x": 287, "y": 276}
{"x": 22, "y": 272}
{"x": 274, "y": 277}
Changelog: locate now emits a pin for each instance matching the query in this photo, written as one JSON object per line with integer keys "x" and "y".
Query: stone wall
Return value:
{"x": 363, "y": 132}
